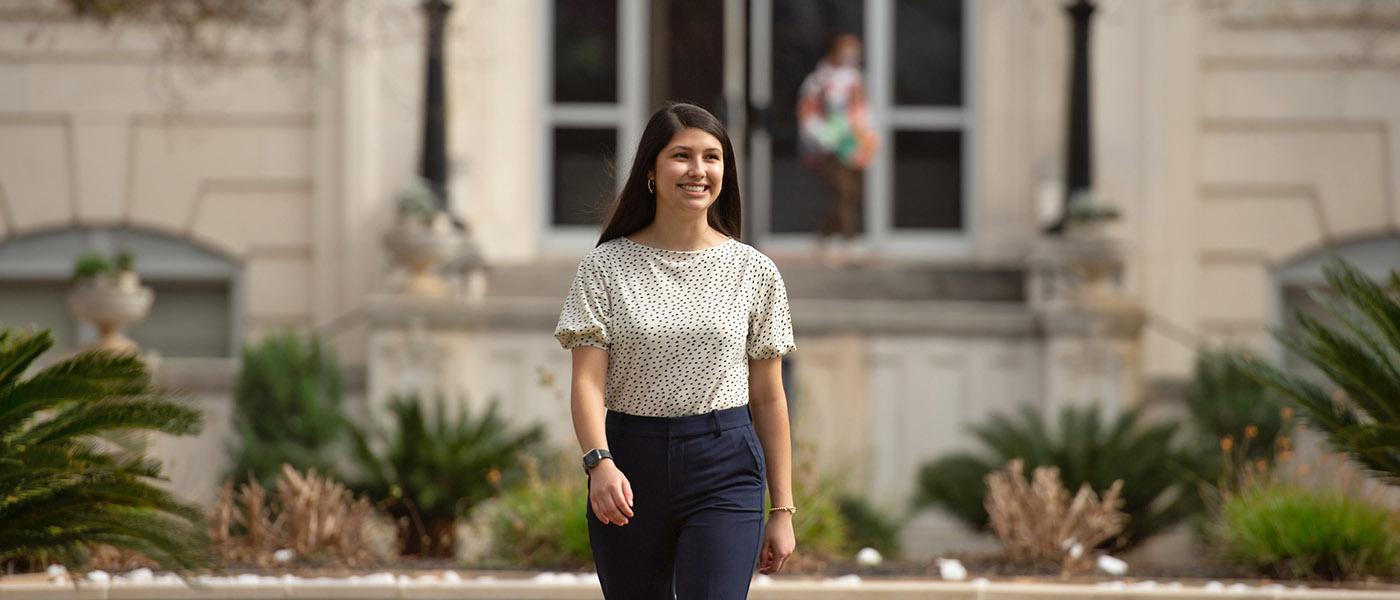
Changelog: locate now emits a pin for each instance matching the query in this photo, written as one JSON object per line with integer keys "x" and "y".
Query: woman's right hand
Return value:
{"x": 609, "y": 493}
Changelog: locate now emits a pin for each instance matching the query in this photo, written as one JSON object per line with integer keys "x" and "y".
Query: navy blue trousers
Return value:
{"x": 698, "y": 484}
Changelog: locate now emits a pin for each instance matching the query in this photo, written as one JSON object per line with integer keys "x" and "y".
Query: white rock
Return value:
{"x": 485, "y": 579}
{"x": 1076, "y": 551}
{"x": 169, "y": 579}
{"x": 247, "y": 579}
{"x": 56, "y": 570}
{"x": 762, "y": 579}
{"x": 590, "y": 578}
{"x": 1237, "y": 588}
{"x": 284, "y": 555}
{"x": 847, "y": 580}
{"x": 98, "y": 576}
{"x": 451, "y": 577}
{"x": 980, "y": 582}
{"x": 546, "y": 577}
{"x": 1214, "y": 586}
{"x": 951, "y": 569}
{"x": 1112, "y": 566}
{"x": 141, "y": 575}
{"x": 868, "y": 557}
{"x": 383, "y": 578}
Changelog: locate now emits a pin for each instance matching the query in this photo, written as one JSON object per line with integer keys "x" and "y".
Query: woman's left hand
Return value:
{"x": 778, "y": 543}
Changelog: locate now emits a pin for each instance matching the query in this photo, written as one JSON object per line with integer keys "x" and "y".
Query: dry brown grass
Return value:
{"x": 1039, "y": 523}
{"x": 313, "y": 516}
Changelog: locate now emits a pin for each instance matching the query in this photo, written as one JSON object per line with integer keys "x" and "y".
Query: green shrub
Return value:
{"x": 91, "y": 264}
{"x": 1286, "y": 531}
{"x": 542, "y": 524}
{"x": 287, "y": 409}
{"x": 821, "y": 529}
{"x": 867, "y": 526}
{"x": 63, "y": 487}
{"x": 427, "y": 470}
{"x": 1230, "y": 408}
{"x": 1160, "y": 473}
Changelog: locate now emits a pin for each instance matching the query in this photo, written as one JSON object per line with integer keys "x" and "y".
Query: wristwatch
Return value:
{"x": 593, "y": 457}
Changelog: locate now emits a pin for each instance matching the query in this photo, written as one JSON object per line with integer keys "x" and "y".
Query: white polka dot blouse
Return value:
{"x": 678, "y": 326}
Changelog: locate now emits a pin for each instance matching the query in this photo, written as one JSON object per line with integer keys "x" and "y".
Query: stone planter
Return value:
{"x": 420, "y": 245}
{"x": 1087, "y": 230}
{"x": 111, "y": 303}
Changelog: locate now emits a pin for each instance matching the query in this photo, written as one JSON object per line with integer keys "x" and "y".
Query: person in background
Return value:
{"x": 835, "y": 138}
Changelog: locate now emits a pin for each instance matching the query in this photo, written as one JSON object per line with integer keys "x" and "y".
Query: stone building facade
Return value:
{"x": 1242, "y": 141}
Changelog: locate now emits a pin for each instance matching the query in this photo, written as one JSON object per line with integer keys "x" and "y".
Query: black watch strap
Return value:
{"x": 593, "y": 457}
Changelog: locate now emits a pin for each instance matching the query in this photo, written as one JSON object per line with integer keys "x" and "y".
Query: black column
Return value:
{"x": 434, "y": 158}
{"x": 1078, "y": 147}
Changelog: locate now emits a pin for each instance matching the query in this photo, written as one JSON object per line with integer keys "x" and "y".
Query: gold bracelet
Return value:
{"x": 792, "y": 510}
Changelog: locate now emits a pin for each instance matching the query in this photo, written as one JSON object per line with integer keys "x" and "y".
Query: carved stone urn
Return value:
{"x": 420, "y": 244}
{"x": 111, "y": 302}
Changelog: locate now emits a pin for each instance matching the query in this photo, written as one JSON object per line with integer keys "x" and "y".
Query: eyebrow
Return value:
{"x": 711, "y": 148}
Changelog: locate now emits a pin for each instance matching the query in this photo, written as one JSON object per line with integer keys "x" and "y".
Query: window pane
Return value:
{"x": 583, "y": 174}
{"x": 39, "y": 305}
{"x": 687, "y": 57}
{"x": 928, "y": 52}
{"x": 927, "y": 180}
{"x": 802, "y": 32}
{"x": 585, "y": 50}
{"x": 188, "y": 319}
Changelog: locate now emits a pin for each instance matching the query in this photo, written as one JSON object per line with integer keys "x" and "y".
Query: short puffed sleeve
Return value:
{"x": 584, "y": 318}
{"x": 770, "y": 321}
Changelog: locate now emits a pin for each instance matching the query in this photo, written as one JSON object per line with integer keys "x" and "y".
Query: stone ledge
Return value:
{"x": 794, "y": 589}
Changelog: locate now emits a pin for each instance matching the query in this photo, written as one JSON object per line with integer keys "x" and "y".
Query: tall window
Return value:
{"x": 927, "y": 116}
{"x": 585, "y": 109}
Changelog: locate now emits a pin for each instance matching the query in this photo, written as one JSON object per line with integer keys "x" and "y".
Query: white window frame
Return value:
{"x": 627, "y": 116}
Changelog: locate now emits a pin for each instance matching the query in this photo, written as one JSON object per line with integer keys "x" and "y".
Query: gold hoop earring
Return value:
{"x": 651, "y": 185}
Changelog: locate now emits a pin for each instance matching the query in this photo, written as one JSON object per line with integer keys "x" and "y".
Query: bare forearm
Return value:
{"x": 586, "y": 405}
{"x": 770, "y": 417}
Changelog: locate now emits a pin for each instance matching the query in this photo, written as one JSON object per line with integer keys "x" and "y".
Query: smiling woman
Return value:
{"x": 674, "y": 326}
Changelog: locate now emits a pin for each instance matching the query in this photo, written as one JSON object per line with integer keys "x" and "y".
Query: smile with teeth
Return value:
{"x": 694, "y": 187}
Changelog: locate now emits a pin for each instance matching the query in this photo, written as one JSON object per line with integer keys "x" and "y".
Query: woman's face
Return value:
{"x": 689, "y": 171}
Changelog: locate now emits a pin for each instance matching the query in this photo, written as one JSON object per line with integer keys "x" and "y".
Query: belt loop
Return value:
{"x": 714, "y": 422}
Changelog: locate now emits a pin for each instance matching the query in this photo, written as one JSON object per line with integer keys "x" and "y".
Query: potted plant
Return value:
{"x": 422, "y": 238}
{"x": 1088, "y": 213}
{"x": 108, "y": 294}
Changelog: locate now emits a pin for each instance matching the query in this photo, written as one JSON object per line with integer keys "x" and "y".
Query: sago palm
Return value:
{"x": 1360, "y": 357}
{"x": 428, "y": 468}
{"x": 63, "y": 487}
{"x": 1160, "y": 473}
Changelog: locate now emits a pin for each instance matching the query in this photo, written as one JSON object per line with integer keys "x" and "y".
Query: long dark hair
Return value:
{"x": 635, "y": 207}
